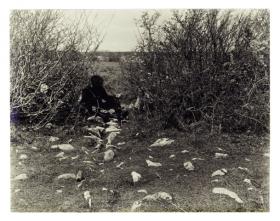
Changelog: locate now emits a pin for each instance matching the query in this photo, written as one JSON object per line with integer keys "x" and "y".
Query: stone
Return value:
{"x": 158, "y": 196}
{"x": 64, "y": 147}
{"x": 61, "y": 154}
{"x": 53, "y": 139}
{"x": 112, "y": 129}
{"x": 221, "y": 172}
{"x": 185, "y": 151}
{"x": 136, "y": 205}
{"x": 109, "y": 155}
{"x": 111, "y": 137}
{"x": 23, "y": 157}
{"x": 224, "y": 191}
{"x": 22, "y": 176}
{"x": 67, "y": 176}
{"x": 142, "y": 191}
{"x": 162, "y": 142}
{"x": 153, "y": 164}
{"x": 221, "y": 155}
{"x": 135, "y": 176}
{"x": 172, "y": 156}
{"x": 189, "y": 166}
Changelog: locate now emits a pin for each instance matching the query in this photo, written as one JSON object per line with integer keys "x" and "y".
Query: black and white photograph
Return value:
{"x": 139, "y": 110}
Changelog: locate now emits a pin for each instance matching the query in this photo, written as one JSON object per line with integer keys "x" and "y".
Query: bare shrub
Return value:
{"x": 49, "y": 64}
{"x": 210, "y": 65}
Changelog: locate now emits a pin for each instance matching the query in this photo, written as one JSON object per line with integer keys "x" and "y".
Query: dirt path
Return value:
{"x": 109, "y": 186}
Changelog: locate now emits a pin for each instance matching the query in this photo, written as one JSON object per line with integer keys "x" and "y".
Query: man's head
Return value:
{"x": 96, "y": 81}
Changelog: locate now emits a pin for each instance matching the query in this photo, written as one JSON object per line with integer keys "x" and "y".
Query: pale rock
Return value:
{"x": 185, "y": 151}
{"x": 220, "y": 190}
{"x": 112, "y": 129}
{"x": 189, "y": 166}
{"x": 96, "y": 119}
{"x": 158, "y": 196}
{"x": 137, "y": 204}
{"x": 102, "y": 171}
{"x": 53, "y": 139}
{"x": 171, "y": 169}
{"x": 66, "y": 176}
{"x": 61, "y": 154}
{"x": 135, "y": 176}
{"x": 247, "y": 159}
{"x": 162, "y": 142}
{"x": 172, "y": 156}
{"x": 120, "y": 143}
{"x": 44, "y": 88}
{"x": 195, "y": 159}
{"x": 48, "y": 125}
{"x": 75, "y": 157}
{"x": 220, "y": 149}
{"x": 221, "y": 155}
{"x": 111, "y": 137}
{"x": 248, "y": 181}
{"x": 104, "y": 189}
{"x": 266, "y": 155}
{"x": 22, "y": 176}
{"x": 17, "y": 190}
{"x": 63, "y": 147}
{"x": 112, "y": 123}
{"x": 87, "y": 198}
{"x": 23, "y": 157}
{"x": 58, "y": 191}
{"x": 243, "y": 169}
{"x": 220, "y": 172}
{"x": 34, "y": 148}
{"x": 120, "y": 164}
{"x": 150, "y": 157}
{"x": 153, "y": 164}
{"x": 142, "y": 191}
{"x": 215, "y": 181}
{"x": 109, "y": 155}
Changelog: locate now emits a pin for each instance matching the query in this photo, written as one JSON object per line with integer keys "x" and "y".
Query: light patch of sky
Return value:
{"x": 118, "y": 26}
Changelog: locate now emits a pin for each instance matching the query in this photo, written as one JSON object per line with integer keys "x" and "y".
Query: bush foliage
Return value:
{"x": 204, "y": 65}
{"x": 49, "y": 64}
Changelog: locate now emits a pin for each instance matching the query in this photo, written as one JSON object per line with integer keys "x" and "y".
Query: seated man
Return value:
{"x": 96, "y": 96}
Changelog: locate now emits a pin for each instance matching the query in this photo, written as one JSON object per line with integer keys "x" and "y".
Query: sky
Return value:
{"x": 118, "y": 26}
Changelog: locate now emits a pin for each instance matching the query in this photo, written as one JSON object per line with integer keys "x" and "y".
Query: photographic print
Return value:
{"x": 140, "y": 110}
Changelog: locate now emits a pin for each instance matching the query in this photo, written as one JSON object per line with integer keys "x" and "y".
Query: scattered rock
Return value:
{"x": 75, "y": 157}
{"x": 221, "y": 155}
{"x": 171, "y": 156}
{"x": 22, "y": 176}
{"x": 248, "y": 181}
{"x": 34, "y": 148}
{"x": 194, "y": 159}
{"x": 158, "y": 196}
{"x": 162, "y": 142}
{"x": 120, "y": 143}
{"x": 23, "y": 157}
{"x": 111, "y": 137}
{"x": 64, "y": 147}
{"x": 61, "y": 154}
{"x": 108, "y": 155}
{"x": 243, "y": 169}
{"x": 247, "y": 159}
{"x": 135, "y": 176}
{"x": 221, "y": 172}
{"x": 79, "y": 176}
{"x": 266, "y": 155}
{"x": 142, "y": 191}
{"x": 104, "y": 189}
{"x": 220, "y": 190}
{"x": 185, "y": 151}
{"x": 66, "y": 176}
{"x": 120, "y": 164}
{"x": 153, "y": 164}
{"x": 87, "y": 198}
{"x": 189, "y": 166}
{"x": 112, "y": 123}
{"x": 150, "y": 157}
{"x": 58, "y": 191}
{"x": 136, "y": 205}
{"x": 53, "y": 139}
{"x": 17, "y": 190}
{"x": 112, "y": 129}
{"x": 215, "y": 181}
{"x": 220, "y": 149}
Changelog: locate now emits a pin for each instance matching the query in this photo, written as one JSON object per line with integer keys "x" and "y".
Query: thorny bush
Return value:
{"x": 49, "y": 64}
{"x": 210, "y": 66}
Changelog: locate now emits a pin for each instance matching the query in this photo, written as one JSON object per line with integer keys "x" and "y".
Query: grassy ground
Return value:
{"x": 191, "y": 190}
